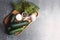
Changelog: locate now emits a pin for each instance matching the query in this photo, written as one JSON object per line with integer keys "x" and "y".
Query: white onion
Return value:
{"x": 19, "y": 17}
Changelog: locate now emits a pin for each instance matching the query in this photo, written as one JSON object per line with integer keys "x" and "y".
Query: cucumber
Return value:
{"x": 12, "y": 18}
{"x": 16, "y": 30}
{"x": 16, "y": 25}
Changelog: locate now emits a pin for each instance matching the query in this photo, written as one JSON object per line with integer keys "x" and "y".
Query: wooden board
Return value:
{"x": 6, "y": 21}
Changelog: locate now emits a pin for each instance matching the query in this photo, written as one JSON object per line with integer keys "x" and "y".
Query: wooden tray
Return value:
{"x": 7, "y": 18}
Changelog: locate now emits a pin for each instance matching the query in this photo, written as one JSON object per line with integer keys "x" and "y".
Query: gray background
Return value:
{"x": 46, "y": 27}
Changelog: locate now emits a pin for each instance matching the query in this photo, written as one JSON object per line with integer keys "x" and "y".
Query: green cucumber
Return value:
{"x": 16, "y": 30}
{"x": 12, "y": 18}
{"x": 15, "y": 25}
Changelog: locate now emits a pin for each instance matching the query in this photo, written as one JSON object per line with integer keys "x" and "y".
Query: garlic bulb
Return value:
{"x": 33, "y": 17}
{"x": 18, "y": 17}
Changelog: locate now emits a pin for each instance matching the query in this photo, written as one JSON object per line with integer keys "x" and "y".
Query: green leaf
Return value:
{"x": 27, "y": 7}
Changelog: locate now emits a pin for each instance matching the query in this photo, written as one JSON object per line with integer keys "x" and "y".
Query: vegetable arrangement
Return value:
{"x": 22, "y": 15}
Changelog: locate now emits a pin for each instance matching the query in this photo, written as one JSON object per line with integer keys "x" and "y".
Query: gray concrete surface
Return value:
{"x": 46, "y": 27}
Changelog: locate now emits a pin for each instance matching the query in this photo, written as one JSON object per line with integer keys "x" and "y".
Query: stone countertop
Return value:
{"x": 46, "y": 27}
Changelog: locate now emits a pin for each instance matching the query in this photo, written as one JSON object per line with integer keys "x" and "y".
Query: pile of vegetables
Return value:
{"x": 15, "y": 26}
{"x": 21, "y": 7}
